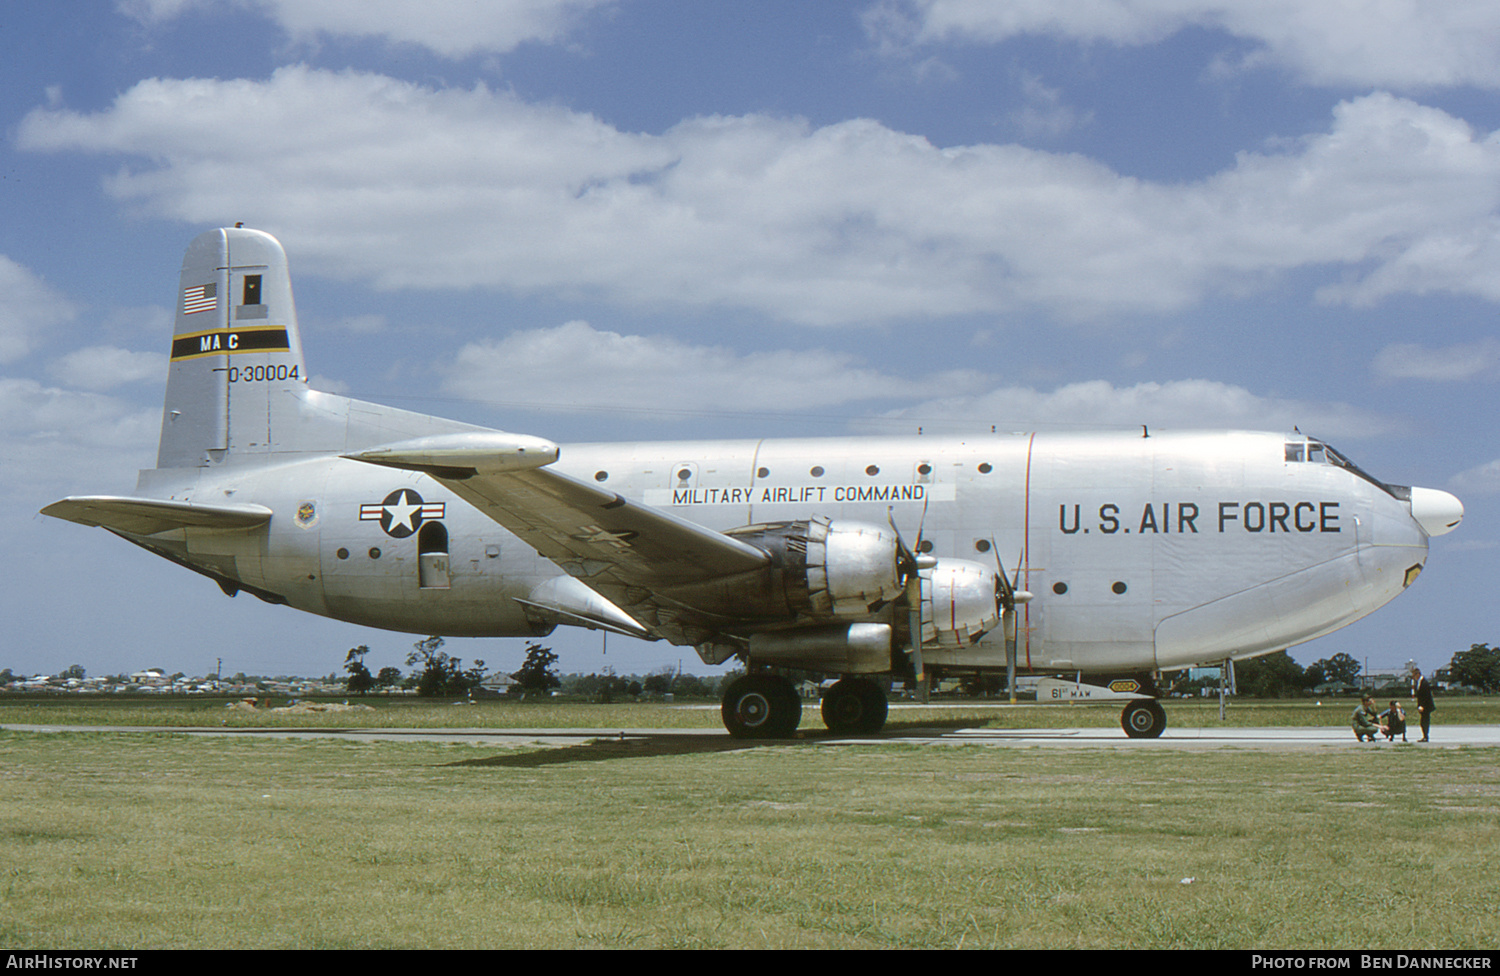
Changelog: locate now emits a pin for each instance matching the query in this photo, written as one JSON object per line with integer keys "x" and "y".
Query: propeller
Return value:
{"x": 1007, "y": 596}
{"x": 909, "y": 566}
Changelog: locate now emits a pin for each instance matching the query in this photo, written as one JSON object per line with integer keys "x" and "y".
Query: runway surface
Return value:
{"x": 1446, "y": 736}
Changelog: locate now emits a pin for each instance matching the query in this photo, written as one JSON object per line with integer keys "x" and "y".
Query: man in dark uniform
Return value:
{"x": 1422, "y": 692}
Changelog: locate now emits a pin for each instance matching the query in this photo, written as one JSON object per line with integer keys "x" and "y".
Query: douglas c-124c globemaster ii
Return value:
{"x": 1133, "y": 551}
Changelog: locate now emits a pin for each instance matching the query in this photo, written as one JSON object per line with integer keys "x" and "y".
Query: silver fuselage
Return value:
{"x": 1142, "y": 552}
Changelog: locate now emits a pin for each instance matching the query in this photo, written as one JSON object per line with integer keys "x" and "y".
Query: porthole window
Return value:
{"x": 924, "y": 469}
{"x": 872, "y": 470}
{"x": 762, "y": 472}
{"x": 924, "y": 546}
{"x": 817, "y": 471}
{"x": 342, "y": 553}
{"x": 982, "y": 545}
{"x": 1119, "y": 587}
{"x": 684, "y": 475}
{"x": 1059, "y": 588}
{"x": 374, "y": 552}
{"x": 601, "y": 475}
{"x": 984, "y": 467}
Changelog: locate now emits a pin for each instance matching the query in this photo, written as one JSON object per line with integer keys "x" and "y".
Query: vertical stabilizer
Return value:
{"x": 236, "y": 363}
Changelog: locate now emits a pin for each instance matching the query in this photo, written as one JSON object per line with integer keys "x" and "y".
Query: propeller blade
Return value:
{"x": 909, "y": 567}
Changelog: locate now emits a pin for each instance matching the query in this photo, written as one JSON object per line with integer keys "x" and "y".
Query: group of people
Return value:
{"x": 1368, "y": 723}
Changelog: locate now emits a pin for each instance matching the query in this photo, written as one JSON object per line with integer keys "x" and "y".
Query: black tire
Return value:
{"x": 855, "y": 705}
{"x": 761, "y": 706}
{"x": 847, "y": 706}
{"x": 1143, "y": 719}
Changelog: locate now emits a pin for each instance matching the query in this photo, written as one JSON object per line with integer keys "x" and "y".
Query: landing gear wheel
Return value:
{"x": 1143, "y": 719}
{"x": 854, "y": 705}
{"x": 761, "y": 706}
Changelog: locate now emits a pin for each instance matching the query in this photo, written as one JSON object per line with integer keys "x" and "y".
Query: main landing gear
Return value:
{"x": 766, "y": 706}
{"x": 761, "y": 706}
{"x": 854, "y": 705}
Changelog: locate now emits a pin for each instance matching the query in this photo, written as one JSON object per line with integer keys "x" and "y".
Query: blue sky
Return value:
{"x": 679, "y": 220}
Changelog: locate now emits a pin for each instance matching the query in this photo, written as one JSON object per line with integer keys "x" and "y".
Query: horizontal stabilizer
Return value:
{"x": 148, "y": 516}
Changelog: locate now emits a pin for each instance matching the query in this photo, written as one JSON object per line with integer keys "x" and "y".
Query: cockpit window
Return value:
{"x": 1316, "y": 452}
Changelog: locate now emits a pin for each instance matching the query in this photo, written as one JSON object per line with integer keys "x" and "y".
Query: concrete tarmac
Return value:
{"x": 684, "y": 740}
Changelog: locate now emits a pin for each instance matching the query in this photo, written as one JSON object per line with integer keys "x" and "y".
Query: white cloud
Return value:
{"x": 847, "y": 223}
{"x": 577, "y": 367}
{"x": 1043, "y": 113}
{"x": 451, "y": 28}
{"x": 58, "y": 442}
{"x": 1465, "y": 361}
{"x": 1360, "y": 43}
{"x": 100, "y": 368}
{"x": 1181, "y": 404}
{"x": 1481, "y": 480}
{"x": 27, "y": 307}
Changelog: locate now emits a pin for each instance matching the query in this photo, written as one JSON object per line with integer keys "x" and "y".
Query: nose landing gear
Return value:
{"x": 1143, "y": 719}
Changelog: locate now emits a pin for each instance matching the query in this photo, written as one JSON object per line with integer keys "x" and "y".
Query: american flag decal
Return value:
{"x": 200, "y": 298}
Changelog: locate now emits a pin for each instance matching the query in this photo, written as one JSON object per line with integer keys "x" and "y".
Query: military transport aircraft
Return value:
{"x": 1110, "y": 556}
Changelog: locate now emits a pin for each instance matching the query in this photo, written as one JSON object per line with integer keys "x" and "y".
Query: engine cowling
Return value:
{"x": 826, "y": 569}
{"x": 958, "y": 602}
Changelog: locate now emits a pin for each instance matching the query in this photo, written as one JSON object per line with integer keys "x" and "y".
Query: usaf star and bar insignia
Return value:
{"x": 401, "y": 513}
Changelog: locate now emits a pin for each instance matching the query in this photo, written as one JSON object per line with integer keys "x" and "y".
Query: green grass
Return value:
{"x": 155, "y": 840}
{"x": 493, "y": 713}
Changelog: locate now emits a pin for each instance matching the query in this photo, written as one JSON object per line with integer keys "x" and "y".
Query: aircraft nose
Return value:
{"x": 1437, "y": 512}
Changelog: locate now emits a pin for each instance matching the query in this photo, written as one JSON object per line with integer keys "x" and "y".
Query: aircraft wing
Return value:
{"x": 631, "y": 553}
{"x": 148, "y": 516}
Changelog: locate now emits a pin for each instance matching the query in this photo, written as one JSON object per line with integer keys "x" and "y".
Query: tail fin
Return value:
{"x": 236, "y": 363}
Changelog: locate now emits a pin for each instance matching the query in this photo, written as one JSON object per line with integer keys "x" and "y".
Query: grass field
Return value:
{"x": 154, "y": 840}
{"x": 403, "y": 712}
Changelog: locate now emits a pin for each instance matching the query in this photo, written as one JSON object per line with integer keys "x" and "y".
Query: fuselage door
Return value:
{"x": 432, "y": 556}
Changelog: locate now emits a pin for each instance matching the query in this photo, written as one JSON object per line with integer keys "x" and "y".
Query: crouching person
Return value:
{"x": 1366, "y": 721}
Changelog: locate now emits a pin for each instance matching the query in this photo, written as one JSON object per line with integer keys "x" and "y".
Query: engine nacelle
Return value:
{"x": 958, "y": 602}
{"x": 823, "y": 568}
{"x": 863, "y": 648}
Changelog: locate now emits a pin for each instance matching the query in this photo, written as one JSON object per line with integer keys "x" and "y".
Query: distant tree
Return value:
{"x": 1268, "y": 676}
{"x": 537, "y": 676}
{"x": 360, "y": 680}
{"x": 1341, "y": 668}
{"x": 660, "y": 682}
{"x": 74, "y": 671}
{"x": 440, "y": 675}
{"x": 1478, "y": 667}
{"x": 388, "y": 677}
{"x": 611, "y": 686}
{"x": 692, "y": 686}
{"x": 582, "y": 685}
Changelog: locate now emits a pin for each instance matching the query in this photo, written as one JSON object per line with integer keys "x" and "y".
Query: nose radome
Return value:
{"x": 1437, "y": 512}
